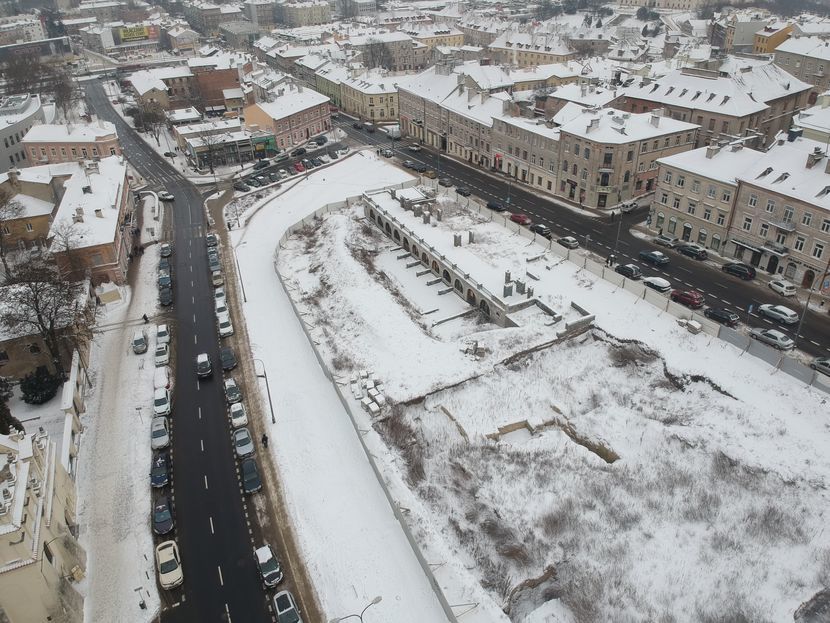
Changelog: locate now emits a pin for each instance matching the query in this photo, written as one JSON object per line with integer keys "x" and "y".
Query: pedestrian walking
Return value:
{"x": 229, "y": 225}
{"x": 146, "y": 319}
{"x": 265, "y": 440}
{"x": 612, "y": 258}
{"x": 612, "y": 216}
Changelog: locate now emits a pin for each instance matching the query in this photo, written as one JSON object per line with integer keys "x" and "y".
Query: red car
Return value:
{"x": 689, "y": 298}
{"x": 298, "y": 167}
{"x": 521, "y": 219}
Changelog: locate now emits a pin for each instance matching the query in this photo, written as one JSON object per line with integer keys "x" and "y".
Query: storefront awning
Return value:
{"x": 746, "y": 245}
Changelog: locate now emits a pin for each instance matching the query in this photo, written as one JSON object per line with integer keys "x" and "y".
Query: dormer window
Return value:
{"x": 765, "y": 172}
{"x": 782, "y": 177}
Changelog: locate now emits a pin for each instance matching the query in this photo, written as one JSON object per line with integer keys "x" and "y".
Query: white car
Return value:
{"x": 778, "y": 313}
{"x": 161, "y": 402}
{"x": 782, "y": 286}
{"x": 221, "y": 306}
{"x": 165, "y": 196}
{"x": 238, "y": 415}
{"x": 159, "y": 433}
{"x": 657, "y": 283}
{"x": 225, "y": 325}
{"x": 283, "y": 174}
{"x": 162, "y": 355}
{"x": 169, "y": 565}
{"x": 569, "y": 242}
{"x": 163, "y": 334}
{"x": 286, "y": 608}
{"x": 219, "y": 293}
{"x": 773, "y": 337}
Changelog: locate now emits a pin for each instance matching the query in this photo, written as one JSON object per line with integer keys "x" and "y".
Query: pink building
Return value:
{"x": 294, "y": 114}
{"x": 52, "y": 143}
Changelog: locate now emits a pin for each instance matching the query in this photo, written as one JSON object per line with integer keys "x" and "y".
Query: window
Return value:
{"x": 726, "y": 197}
{"x": 672, "y": 225}
{"x": 641, "y": 167}
{"x": 629, "y": 156}
{"x": 29, "y": 227}
{"x": 701, "y": 237}
{"x": 607, "y": 158}
{"x": 541, "y": 163}
{"x": 825, "y": 226}
{"x": 4, "y": 356}
{"x": 711, "y": 125}
{"x": 807, "y": 219}
{"x": 724, "y": 128}
{"x": 34, "y": 349}
{"x": 753, "y": 201}
{"x": 664, "y": 199}
{"x": 655, "y": 145}
{"x": 695, "y": 186}
{"x": 691, "y": 207}
{"x": 667, "y": 177}
{"x": 763, "y": 230}
{"x": 707, "y": 214}
{"x": 643, "y": 147}
{"x": 675, "y": 203}
{"x": 788, "y": 214}
{"x": 586, "y": 153}
{"x": 666, "y": 142}
{"x": 584, "y": 174}
{"x": 626, "y": 177}
{"x": 565, "y": 166}
{"x": 53, "y": 151}
{"x": 799, "y": 243}
{"x": 681, "y": 181}
{"x": 770, "y": 205}
{"x": 818, "y": 250}
{"x": 710, "y": 192}
{"x": 747, "y": 225}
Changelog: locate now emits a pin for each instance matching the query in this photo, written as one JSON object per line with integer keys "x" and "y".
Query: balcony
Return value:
{"x": 787, "y": 226}
{"x": 776, "y": 248}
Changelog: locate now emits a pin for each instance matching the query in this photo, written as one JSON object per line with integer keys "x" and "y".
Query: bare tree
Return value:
{"x": 65, "y": 237}
{"x": 7, "y": 420}
{"x": 63, "y": 89}
{"x": 10, "y": 209}
{"x": 153, "y": 119}
{"x": 377, "y": 54}
{"x": 211, "y": 143}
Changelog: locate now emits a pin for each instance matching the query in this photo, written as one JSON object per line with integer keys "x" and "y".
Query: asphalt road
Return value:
{"x": 213, "y": 529}
{"x": 603, "y": 236}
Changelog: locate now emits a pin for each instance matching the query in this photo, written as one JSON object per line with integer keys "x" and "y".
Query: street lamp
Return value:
{"x": 376, "y": 600}
{"x": 264, "y": 375}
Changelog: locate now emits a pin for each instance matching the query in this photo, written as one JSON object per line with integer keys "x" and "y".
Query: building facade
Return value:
{"x": 51, "y": 143}
{"x": 527, "y": 151}
{"x": 18, "y": 113}
{"x": 808, "y": 59}
{"x": 770, "y": 37}
{"x": 293, "y": 115}
{"x": 525, "y": 49}
{"x": 304, "y": 13}
{"x": 370, "y": 97}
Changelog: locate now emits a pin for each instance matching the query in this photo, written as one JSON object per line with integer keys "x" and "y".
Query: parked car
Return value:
{"x": 163, "y": 515}
{"x": 421, "y": 168}
{"x": 225, "y": 325}
{"x": 333, "y": 154}
{"x": 241, "y": 187}
{"x": 166, "y": 249}
{"x": 782, "y": 287}
{"x": 632, "y": 271}
{"x": 692, "y": 250}
{"x": 408, "y": 164}
{"x": 166, "y": 297}
{"x": 161, "y": 402}
{"x": 629, "y": 206}
{"x": 654, "y": 257}
{"x": 164, "y": 279}
{"x": 772, "y": 337}
{"x": 569, "y": 242}
{"x": 386, "y": 153}
{"x": 274, "y": 176}
{"x": 162, "y": 355}
{"x": 159, "y": 433}
{"x": 463, "y": 191}
{"x": 738, "y": 269}
{"x": 161, "y": 378}
{"x": 227, "y": 357}
{"x": 722, "y": 315}
{"x": 542, "y": 230}
{"x": 689, "y": 298}
{"x": 286, "y": 608}
{"x": 239, "y": 417}
{"x": 414, "y": 147}
{"x": 216, "y": 278}
{"x": 298, "y": 167}
{"x": 657, "y": 283}
{"x": 321, "y": 140}
{"x": 262, "y": 164}
{"x": 521, "y": 219}
{"x": 666, "y": 241}
{"x": 821, "y": 364}
{"x": 445, "y": 182}
{"x": 495, "y": 206}
{"x": 232, "y": 392}
{"x": 139, "y": 342}
{"x": 243, "y": 444}
{"x": 300, "y": 151}
{"x": 160, "y": 471}
{"x": 779, "y": 313}
{"x": 252, "y": 181}
{"x": 165, "y": 196}
{"x": 219, "y": 293}
{"x": 263, "y": 179}
{"x": 169, "y": 565}
{"x": 163, "y": 334}
{"x": 430, "y": 173}
{"x": 164, "y": 264}
{"x": 221, "y": 306}
{"x": 283, "y": 173}
{"x": 317, "y": 162}
{"x": 268, "y": 565}
{"x": 308, "y": 164}
{"x": 204, "y": 366}
{"x": 251, "y": 482}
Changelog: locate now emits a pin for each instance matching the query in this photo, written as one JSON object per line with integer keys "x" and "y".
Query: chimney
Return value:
{"x": 14, "y": 177}
{"x": 99, "y": 213}
{"x": 814, "y": 157}
{"x": 655, "y": 117}
{"x": 794, "y": 133}
{"x": 712, "y": 150}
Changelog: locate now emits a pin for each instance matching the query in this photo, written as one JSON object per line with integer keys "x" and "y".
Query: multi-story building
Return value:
{"x": 261, "y": 13}
{"x": 297, "y": 13}
{"x": 306, "y": 68}
{"x": 41, "y": 559}
{"x": 808, "y": 59}
{"x": 328, "y": 80}
{"x": 524, "y": 49}
{"x": 470, "y": 115}
{"x": 206, "y": 17}
{"x": 608, "y": 156}
{"x": 481, "y": 31}
{"x": 394, "y": 51}
{"x": 583, "y": 94}
{"x": 20, "y": 28}
{"x": 736, "y": 32}
{"x": 815, "y": 121}
{"x": 181, "y": 39}
{"x": 432, "y": 35}
{"x": 770, "y": 37}
{"x": 213, "y": 74}
{"x": 754, "y": 100}
{"x": 370, "y": 95}
{"x": 394, "y": 19}
{"x": 527, "y": 150}
{"x": 293, "y": 114}
{"x": 680, "y": 5}
{"x": 239, "y": 35}
{"x": 228, "y": 148}
{"x": 696, "y": 192}
{"x": 165, "y": 87}
{"x": 18, "y": 113}
{"x": 53, "y": 143}
{"x": 103, "y": 10}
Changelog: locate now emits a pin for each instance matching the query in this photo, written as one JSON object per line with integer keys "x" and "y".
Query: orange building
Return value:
{"x": 52, "y": 143}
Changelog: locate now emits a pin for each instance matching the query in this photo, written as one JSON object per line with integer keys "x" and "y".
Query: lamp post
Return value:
{"x": 376, "y": 600}
{"x": 264, "y": 375}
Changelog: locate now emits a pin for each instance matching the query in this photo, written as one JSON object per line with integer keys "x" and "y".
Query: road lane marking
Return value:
{"x": 206, "y": 485}
{"x": 200, "y": 413}
{"x": 198, "y": 386}
{"x": 202, "y": 443}
{"x": 221, "y": 581}
{"x": 211, "y": 525}
{"x": 194, "y": 320}
{"x": 194, "y": 339}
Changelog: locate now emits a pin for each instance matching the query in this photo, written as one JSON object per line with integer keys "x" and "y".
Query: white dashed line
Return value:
{"x": 206, "y": 485}
{"x": 211, "y": 525}
{"x": 221, "y": 581}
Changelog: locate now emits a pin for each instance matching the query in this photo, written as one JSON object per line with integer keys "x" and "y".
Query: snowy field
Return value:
{"x": 634, "y": 472}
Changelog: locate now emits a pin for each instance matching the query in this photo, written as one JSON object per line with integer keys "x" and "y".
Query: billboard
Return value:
{"x": 133, "y": 33}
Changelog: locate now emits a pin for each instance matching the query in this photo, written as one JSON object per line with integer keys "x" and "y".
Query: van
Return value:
{"x": 139, "y": 342}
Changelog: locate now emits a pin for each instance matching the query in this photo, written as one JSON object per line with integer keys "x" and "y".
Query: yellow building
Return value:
{"x": 432, "y": 35}
{"x": 370, "y": 96}
{"x": 771, "y": 37}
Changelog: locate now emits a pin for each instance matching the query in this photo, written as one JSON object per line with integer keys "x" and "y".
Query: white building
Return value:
{"x": 20, "y": 28}
{"x": 815, "y": 121}
{"x": 18, "y": 113}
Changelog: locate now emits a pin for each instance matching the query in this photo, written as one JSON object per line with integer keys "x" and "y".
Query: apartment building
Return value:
{"x": 580, "y": 93}
{"x": 20, "y": 28}
{"x": 40, "y": 557}
{"x": 52, "y": 143}
{"x": 239, "y": 35}
{"x": 527, "y": 150}
{"x": 815, "y": 121}
{"x": 770, "y": 37}
{"x": 808, "y": 59}
{"x": 524, "y": 49}
{"x": 181, "y": 39}
{"x": 214, "y": 74}
{"x": 470, "y": 115}
{"x": 165, "y": 87}
{"x": 696, "y": 193}
{"x": 480, "y": 31}
{"x": 261, "y": 13}
{"x": 608, "y": 156}
{"x": 682, "y": 5}
{"x": 206, "y": 17}
{"x": 754, "y": 100}
{"x": 394, "y": 51}
{"x": 293, "y": 114}
{"x": 329, "y": 78}
{"x": 298, "y": 13}
{"x": 371, "y": 95}
{"x": 18, "y": 113}
{"x": 432, "y": 35}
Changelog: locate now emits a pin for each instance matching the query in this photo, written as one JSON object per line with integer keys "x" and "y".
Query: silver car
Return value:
{"x": 773, "y": 337}
{"x": 778, "y": 313}
{"x": 286, "y": 608}
{"x": 159, "y": 433}
{"x": 243, "y": 445}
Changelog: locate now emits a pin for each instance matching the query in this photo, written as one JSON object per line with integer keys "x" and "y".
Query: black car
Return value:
{"x": 420, "y": 168}
{"x": 162, "y": 515}
{"x": 160, "y": 472}
{"x": 542, "y": 230}
{"x": 321, "y": 140}
{"x": 252, "y": 181}
{"x": 408, "y": 164}
{"x": 463, "y": 191}
{"x": 274, "y": 176}
{"x": 211, "y": 239}
{"x": 333, "y": 155}
{"x": 251, "y": 482}
{"x": 164, "y": 264}
{"x": 692, "y": 250}
{"x": 357, "y": 125}
{"x": 166, "y": 296}
{"x": 317, "y": 162}
{"x": 227, "y": 357}
{"x": 261, "y": 165}
{"x": 445, "y": 181}
{"x": 495, "y": 206}
{"x": 308, "y": 164}
{"x": 629, "y": 270}
{"x": 744, "y": 271}
{"x": 658, "y": 258}
{"x": 300, "y": 151}
{"x": 241, "y": 187}
{"x": 722, "y": 315}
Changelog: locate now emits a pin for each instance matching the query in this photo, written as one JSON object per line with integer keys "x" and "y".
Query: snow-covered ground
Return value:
{"x": 635, "y": 472}
{"x": 113, "y": 486}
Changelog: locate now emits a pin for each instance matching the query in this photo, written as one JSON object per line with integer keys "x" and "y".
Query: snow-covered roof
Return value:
{"x": 481, "y": 107}
{"x": 313, "y": 62}
{"x": 429, "y": 84}
{"x": 33, "y": 206}
{"x": 230, "y": 94}
{"x": 542, "y": 43}
{"x": 219, "y": 139}
{"x": 722, "y": 164}
{"x": 814, "y": 47}
{"x": 184, "y": 114}
{"x": 584, "y": 94}
{"x": 148, "y": 79}
{"x": 609, "y": 125}
{"x": 426, "y": 29}
{"x": 372, "y": 83}
{"x": 290, "y": 100}
{"x": 65, "y": 133}
{"x": 15, "y": 108}
{"x": 265, "y": 43}
{"x": 213, "y": 126}
{"x": 536, "y": 126}
{"x": 816, "y": 118}
{"x": 381, "y": 37}
{"x": 222, "y": 60}
{"x": 569, "y": 111}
